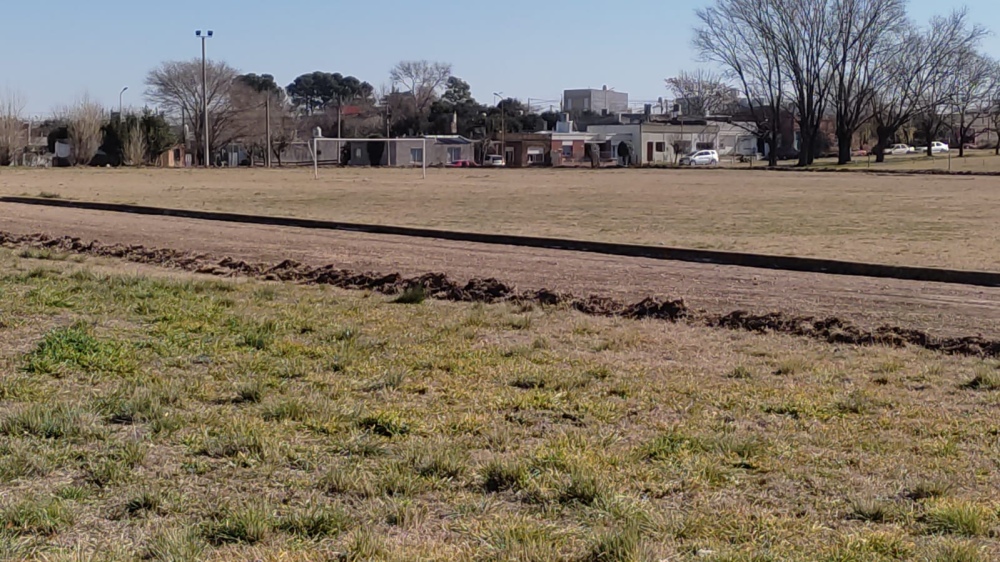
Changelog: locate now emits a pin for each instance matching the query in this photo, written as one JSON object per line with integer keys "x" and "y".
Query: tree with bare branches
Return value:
{"x": 972, "y": 96}
{"x": 736, "y": 35}
{"x": 702, "y": 93}
{"x": 134, "y": 146}
{"x": 422, "y": 79}
{"x": 914, "y": 71}
{"x": 13, "y": 134}
{"x": 175, "y": 87}
{"x": 865, "y": 38}
{"x": 84, "y": 122}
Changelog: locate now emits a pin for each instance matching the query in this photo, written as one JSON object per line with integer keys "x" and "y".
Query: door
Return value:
{"x": 649, "y": 153}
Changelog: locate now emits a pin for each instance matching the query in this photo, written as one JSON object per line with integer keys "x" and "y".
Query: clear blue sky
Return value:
{"x": 58, "y": 51}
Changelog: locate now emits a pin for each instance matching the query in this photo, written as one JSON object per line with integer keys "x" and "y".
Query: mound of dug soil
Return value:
{"x": 489, "y": 290}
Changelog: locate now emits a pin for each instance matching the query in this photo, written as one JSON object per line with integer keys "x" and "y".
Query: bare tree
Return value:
{"x": 421, "y": 78}
{"x": 84, "y": 121}
{"x": 175, "y": 86}
{"x": 134, "y": 145}
{"x": 702, "y": 93}
{"x": 994, "y": 111}
{"x": 971, "y": 99}
{"x": 864, "y": 40}
{"x": 13, "y": 134}
{"x": 736, "y": 34}
{"x": 923, "y": 59}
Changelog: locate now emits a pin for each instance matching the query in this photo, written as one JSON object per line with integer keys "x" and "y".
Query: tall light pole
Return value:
{"x": 204, "y": 88}
{"x": 120, "y": 94}
{"x": 503, "y": 128}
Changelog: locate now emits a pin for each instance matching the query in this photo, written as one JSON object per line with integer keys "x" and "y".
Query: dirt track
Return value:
{"x": 938, "y": 309}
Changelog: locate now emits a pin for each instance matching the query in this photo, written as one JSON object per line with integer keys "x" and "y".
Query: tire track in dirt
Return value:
{"x": 490, "y": 290}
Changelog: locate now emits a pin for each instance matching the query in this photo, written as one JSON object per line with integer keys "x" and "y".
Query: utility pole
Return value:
{"x": 340, "y": 135}
{"x": 267, "y": 117}
{"x": 204, "y": 91}
{"x": 503, "y": 129}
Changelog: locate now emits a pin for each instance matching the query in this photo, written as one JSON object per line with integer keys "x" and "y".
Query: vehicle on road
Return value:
{"x": 494, "y": 160}
{"x": 462, "y": 164}
{"x": 701, "y": 158}
{"x": 901, "y": 149}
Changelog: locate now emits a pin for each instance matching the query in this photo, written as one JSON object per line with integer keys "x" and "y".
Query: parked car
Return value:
{"x": 936, "y": 148}
{"x": 859, "y": 152}
{"x": 494, "y": 160}
{"x": 701, "y": 158}
{"x": 462, "y": 164}
{"x": 900, "y": 149}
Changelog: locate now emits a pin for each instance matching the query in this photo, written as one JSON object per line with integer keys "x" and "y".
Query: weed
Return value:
{"x": 986, "y": 378}
{"x": 617, "y": 546}
{"x": 960, "y": 552}
{"x": 251, "y": 391}
{"x": 128, "y": 405}
{"x": 414, "y": 294}
{"x": 404, "y": 513}
{"x": 792, "y": 366}
{"x": 857, "y": 402}
{"x": 238, "y": 439}
{"x": 20, "y": 462}
{"x": 959, "y": 518}
{"x": 870, "y": 510}
{"x": 583, "y": 487}
{"x": 74, "y": 347}
{"x": 246, "y": 524}
{"x": 386, "y": 424}
{"x": 48, "y": 421}
{"x": 928, "y": 489}
{"x": 439, "y": 461}
{"x": 287, "y": 409}
{"x": 315, "y": 522}
{"x": 35, "y": 516}
{"x": 175, "y": 545}
{"x": 41, "y": 254}
{"x": 255, "y": 334}
{"x": 364, "y": 547}
{"x": 146, "y": 501}
{"x": 740, "y": 372}
{"x": 73, "y": 492}
{"x": 500, "y": 476}
{"x": 391, "y": 380}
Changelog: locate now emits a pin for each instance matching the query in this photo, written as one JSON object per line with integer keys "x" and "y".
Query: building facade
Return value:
{"x": 603, "y": 101}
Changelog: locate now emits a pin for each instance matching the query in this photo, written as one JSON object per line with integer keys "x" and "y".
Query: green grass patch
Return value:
{"x": 76, "y": 348}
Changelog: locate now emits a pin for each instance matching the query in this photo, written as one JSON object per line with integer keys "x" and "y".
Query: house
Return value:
{"x": 522, "y": 150}
{"x": 442, "y": 150}
{"x": 657, "y": 143}
{"x": 174, "y": 157}
{"x": 603, "y": 101}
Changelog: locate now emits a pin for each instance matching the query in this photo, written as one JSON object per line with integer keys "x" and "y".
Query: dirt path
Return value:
{"x": 939, "y": 309}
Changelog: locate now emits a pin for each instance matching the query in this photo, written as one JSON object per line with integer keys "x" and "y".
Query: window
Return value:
{"x": 704, "y": 146}
{"x": 661, "y": 147}
{"x": 454, "y": 154}
{"x": 586, "y": 104}
{"x": 357, "y": 153}
{"x": 536, "y": 156}
{"x": 567, "y": 151}
{"x": 417, "y": 155}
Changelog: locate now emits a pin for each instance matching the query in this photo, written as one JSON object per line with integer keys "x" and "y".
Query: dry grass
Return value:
{"x": 181, "y": 419}
{"x": 911, "y": 220}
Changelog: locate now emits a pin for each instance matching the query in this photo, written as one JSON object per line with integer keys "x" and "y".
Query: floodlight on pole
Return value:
{"x": 204, "y": 87}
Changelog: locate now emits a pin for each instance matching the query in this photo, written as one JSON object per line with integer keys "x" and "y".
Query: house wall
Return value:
{"x": 595, "y": 100}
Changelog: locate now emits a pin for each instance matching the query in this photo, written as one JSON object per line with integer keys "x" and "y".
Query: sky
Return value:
{"x": 520, "y": 48}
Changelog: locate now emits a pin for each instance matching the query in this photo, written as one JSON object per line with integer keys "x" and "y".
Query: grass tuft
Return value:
{"x": 583, "y": 488}
{"x": 48, "y": 421}
{"x": 386, "y": 424}
{"x": 414, "y": 294}
{"x": 35, "y": 516}
{"x": 617, "y": 546}
{"x": 985, "y": 378}
{"x": 75, "y": 347}
{"x": 501, "y": 476}
{"x": 315, "y": 522}
{"x": 960, "y": 518}
{"x": 175, "y": 545}
{"x": 245, "y": 524}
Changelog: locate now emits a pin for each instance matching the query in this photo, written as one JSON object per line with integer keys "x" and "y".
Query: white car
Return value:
{"x": 494, "y": 160}
{"x": 900, "y": 149}
{"x": 936, "y": 148}
{"x": 701, "y": 158}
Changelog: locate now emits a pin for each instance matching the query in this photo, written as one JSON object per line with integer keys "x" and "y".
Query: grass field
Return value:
{"x": 146, "y": 415}
{"x": 898, "y": 219}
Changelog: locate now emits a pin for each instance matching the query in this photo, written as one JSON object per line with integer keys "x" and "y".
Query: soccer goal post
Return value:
{"x": 393, "y": 153}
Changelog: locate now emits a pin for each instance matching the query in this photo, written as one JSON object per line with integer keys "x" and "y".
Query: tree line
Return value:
{"x": 861, "y": 62}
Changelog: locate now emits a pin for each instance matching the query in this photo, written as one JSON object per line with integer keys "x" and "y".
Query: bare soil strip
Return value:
{"x": 440, "y": 286}
{"x": 742, "y": 259}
